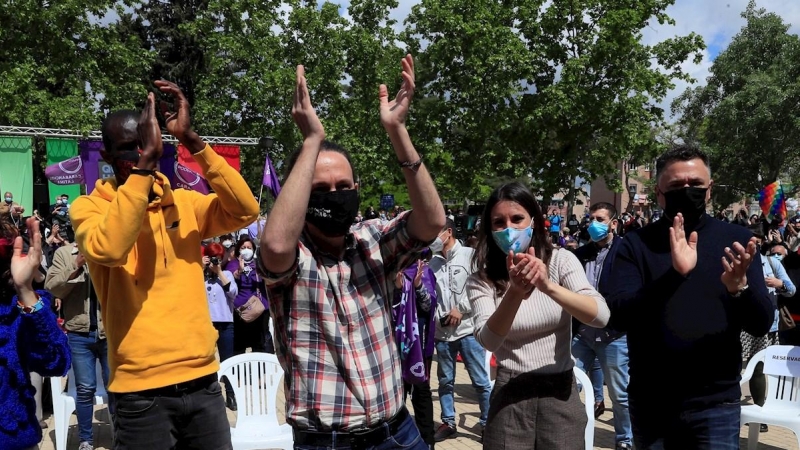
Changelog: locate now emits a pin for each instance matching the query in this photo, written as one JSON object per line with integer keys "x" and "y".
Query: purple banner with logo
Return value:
{"x": 94, "y": 168}
{"x": 186, "y": 178}
{"x": 69, "y": 171}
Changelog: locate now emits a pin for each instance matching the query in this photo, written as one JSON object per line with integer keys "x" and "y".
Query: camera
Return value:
{"x": 214, "y": 261}
{"x": 443, "y": 321}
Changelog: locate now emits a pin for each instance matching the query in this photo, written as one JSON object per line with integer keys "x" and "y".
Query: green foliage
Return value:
{"x": 746, "y": 117}
{"x": 524, "y": 89}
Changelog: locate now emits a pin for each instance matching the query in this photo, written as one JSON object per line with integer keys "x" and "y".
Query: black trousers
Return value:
{"x": 191, "y": 419}
{"x": 422, "y": 402}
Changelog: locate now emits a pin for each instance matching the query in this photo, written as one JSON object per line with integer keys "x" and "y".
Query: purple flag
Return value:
{"x": 69, "y": 171}
{"x": 271, "y": 178}
{"x": 186, "y": 178}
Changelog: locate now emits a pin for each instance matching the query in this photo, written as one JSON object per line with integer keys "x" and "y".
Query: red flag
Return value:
{"x": 229, "y": 152}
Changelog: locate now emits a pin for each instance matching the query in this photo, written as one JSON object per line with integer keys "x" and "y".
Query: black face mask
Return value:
{"x": 123, "y": 161}
{"x": 689, "y": 201}
{"x": 333, "y": 212}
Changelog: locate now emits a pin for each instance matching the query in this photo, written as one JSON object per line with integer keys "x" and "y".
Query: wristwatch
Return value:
{"x": 741, "y": 291}
{"x": 145, "y": 172}
{"x": 31, "y": 309}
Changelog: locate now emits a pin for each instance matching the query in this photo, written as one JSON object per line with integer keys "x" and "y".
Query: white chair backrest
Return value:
{"x": 100, "y": 394}
{"x": 783, "y": 392}
{"x": 255, "y": 378}
{"x": 583, "y": 380}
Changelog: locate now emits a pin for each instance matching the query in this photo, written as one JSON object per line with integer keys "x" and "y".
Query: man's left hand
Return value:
{"x": 179, "y": 123}
{"x": 735, "y": 264}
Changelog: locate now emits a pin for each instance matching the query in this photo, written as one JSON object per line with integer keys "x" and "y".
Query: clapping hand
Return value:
{"x": 149, "y": 136}
{"x": 735, "y": 264}
{"x": 526, "y": 272}
{"x": 303, "y": 111}
{"x": 393, "y": 113}
{"x": 25, "y": 267}
{"x": 683, "y": 249}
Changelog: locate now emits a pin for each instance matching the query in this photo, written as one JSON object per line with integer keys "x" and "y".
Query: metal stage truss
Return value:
{"x": 61, "y": 133}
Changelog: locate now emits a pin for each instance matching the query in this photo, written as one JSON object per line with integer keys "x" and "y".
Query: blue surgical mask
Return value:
{"x": 598, "y": 231}
{"x": 778, "y": 257}
{"x": 516, "y": 239}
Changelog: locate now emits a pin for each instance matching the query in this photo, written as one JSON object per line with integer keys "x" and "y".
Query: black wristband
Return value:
{"x": 145, "y": 172}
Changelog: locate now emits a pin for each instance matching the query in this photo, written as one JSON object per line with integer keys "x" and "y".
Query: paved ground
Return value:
{"x": 467, "y": 412}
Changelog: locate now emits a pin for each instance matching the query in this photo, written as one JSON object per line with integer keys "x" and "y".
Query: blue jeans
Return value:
{"x": 712, "y": 428}
{"x": 407, "y": 437}
{"x": 475, "y": 360}
{"x": 613, "y": 358}
{"x": 86, "y": 350}
{"x": 596, "y": 377}
{"x": 225, "y": 348}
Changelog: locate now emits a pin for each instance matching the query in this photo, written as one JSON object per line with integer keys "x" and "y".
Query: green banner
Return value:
{"x": 16, "y": 170}
{"x": 59, "y": 150}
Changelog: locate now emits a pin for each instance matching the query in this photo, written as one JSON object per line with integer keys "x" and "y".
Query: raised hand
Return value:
{"x": 149, "y": 136}
{"x": 735, "y": 264}
{"x": 179, "y": 122}
{"x": 393, "y": 113}
{"x": 25, "y": 267}
{"x": 303, "y": 111}
{"x": 418, "y": 276}
{"x": 526, "y": 272}
{"x": 684, "y": 251}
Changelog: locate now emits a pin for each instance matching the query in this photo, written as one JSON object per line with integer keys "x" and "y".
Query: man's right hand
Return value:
{"x": 303, "y": 111}
{"x": 149, "y": 136}
{"x": 684, "y": 251}
{"x": 80, "y": 260}
{"x": 453, "y": 318}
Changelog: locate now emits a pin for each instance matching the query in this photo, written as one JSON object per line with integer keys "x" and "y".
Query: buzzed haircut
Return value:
{"x": 449, "y": 223}
{"x": 612, "y": 211}
{"x": 114, "y": 117}
{"x": 680, "y": 153}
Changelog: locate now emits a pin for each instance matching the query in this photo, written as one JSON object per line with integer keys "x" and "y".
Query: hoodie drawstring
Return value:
{"x": 163, "y": 236}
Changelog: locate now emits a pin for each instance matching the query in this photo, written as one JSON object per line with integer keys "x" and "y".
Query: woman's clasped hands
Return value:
{"x": 527, "y": 272}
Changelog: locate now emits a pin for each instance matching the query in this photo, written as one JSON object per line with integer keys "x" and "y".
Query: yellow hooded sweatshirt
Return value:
{"x": 146, "y": 266}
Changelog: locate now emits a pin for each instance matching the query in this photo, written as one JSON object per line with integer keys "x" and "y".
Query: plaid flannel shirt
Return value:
{"x": 333, "y": 328}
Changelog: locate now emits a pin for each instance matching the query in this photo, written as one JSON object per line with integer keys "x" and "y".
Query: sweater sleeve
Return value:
{"x": 105, "y": 236}
{"x": 625, "y": 291}
{"x": 482, "y": 298}
{"x": 573, "y": 277}
{"x": 231, "y": 207}
{"x": 44, "y": 343}
{"x": 62, "y": 266}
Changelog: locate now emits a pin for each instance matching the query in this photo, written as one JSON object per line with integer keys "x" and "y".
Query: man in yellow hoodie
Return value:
{"x": 141, "y": 241}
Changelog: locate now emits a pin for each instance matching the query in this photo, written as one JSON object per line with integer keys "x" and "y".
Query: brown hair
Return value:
{"x": 489, "y": 259}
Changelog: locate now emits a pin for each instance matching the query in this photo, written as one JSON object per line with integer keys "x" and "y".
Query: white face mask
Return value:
{"x": 437, "y": 245}
{"x": 247, "y": 254}
{"x": 227, "y": 243}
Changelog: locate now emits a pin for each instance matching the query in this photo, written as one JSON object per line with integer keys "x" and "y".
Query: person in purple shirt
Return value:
{"x": 220, "y": 291}
{"x": 255, "y": 334}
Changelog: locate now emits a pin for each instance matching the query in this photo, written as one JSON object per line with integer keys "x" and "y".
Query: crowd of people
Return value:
{"x": 158, "y": 285}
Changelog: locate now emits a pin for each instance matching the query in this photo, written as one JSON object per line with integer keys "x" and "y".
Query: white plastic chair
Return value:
{"x": 582, "y": 380}
{"x": 782, "y": 406}
{"x": 64, "y": 403}
{"x": 255, "y": 378}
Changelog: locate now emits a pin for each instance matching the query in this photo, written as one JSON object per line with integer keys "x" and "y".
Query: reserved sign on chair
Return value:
{"x": 782, "y": 360}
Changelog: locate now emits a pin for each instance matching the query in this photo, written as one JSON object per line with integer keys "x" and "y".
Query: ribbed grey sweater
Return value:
{"x": 540, "y": 338}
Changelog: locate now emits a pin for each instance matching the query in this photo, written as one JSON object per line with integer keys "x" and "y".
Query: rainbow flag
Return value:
{"x": 773, "y": 201}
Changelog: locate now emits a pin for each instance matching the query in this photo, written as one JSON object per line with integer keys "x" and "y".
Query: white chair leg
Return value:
{"x": 61, "y": 424}
{"x": 752, "y": 435}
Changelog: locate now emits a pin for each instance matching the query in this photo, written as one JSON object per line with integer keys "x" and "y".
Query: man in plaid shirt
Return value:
{"x": 330, "y": 285}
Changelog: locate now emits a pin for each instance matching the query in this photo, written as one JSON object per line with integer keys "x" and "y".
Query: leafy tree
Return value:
{"x": 746, "y": 116}
{"x": 554, "y": 90}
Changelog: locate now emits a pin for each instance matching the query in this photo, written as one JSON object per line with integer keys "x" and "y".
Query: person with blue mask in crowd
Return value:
{"x": 605, "y": 344}
{"x": 524, "y": 295}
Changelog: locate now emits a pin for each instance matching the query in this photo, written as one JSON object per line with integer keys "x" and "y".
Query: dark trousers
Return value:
{"x": 225, "y": 348}
{"x": 657, "y": 428}
{"x": 254, "y": 335}
{"x": 156, "y": 420}
{"x": 422, "y": 401}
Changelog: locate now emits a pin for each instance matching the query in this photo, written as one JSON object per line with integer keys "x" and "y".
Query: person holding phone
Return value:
{"x": 220, "y": 292}
{"x": 452, "y": 265}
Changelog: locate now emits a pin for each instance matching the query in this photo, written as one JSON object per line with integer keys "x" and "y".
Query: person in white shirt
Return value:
{"x": 452, "y": 265}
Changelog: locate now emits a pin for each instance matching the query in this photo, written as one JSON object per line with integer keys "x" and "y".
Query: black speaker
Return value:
{"x": 41, "y": 198}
